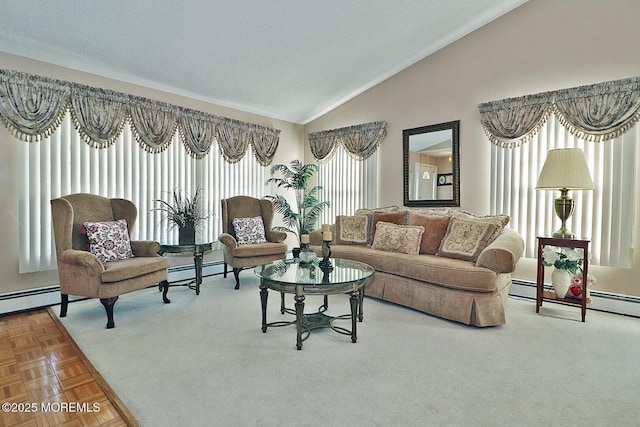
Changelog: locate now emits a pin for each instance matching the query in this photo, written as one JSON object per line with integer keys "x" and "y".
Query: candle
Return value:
{"x": 326, "y": 235}
{"x": 304, "y": 238}
{"x": 325, "y": 228}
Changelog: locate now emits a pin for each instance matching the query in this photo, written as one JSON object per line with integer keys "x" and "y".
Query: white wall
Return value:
{"x": 290, "y": 147}
{"x": 542, "y": 45}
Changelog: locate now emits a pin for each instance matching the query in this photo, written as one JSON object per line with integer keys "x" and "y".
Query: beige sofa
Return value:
{"x": 460, "y": 269}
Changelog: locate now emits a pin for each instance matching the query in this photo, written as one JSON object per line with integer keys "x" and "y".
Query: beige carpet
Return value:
{"x": 203, "y": 360}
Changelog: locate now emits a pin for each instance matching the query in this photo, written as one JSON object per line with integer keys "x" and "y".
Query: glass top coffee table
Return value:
{"x": 292, "y": 277}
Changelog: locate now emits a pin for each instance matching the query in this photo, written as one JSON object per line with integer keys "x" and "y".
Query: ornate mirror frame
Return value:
{"x": 450, "y": 179}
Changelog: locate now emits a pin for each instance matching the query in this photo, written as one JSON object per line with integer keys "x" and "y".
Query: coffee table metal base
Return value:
{"x": 198, "y": 249}
{"x": 305, "y": 323}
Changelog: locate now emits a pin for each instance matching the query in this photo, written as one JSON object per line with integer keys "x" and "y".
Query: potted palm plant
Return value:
{"x": 297, "y": 176}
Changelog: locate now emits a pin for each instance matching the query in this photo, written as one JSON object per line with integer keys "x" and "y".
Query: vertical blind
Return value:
{"x": 348, "y": 183}
{"x": 605, "y": 216}
{"x": 63, "y": 164}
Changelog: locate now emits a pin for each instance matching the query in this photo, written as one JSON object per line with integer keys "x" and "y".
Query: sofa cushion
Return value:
{"x": 351, "y": 230}
{"x": 109, "y": 240}
{"x": 249, "y": 231}
{"x": 446, "y": 272}
{"x": 435, "y": 227}
{"x": 397, "y": 238}
{"x": 445, "y": 211}
{"x": 392, "y": 208}
{"x": 466, "y": 238}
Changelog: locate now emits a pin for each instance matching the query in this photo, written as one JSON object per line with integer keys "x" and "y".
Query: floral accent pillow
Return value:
{"x": 466, "y": 238}
{"x": 352, "y": 230}
{"x": 403, "y": 239}
{"x": 499, "y": 221}
{"x": 249, "y": 230}
{"x": 109, "y": 240}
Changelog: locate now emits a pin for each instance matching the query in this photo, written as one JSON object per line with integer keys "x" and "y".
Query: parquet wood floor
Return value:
{"x": 46, "y": 380}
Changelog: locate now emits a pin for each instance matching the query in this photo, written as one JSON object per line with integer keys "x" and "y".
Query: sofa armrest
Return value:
{"x": 145, "y": 248}
{"x": 503, "y": 253}
{"x": 82, "y": 259}
{"x": 315, "y": 238}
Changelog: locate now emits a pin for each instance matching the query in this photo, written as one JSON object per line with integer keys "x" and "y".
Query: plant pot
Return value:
{"x": 561, "y": 281}
{"x": 186, "y": 235}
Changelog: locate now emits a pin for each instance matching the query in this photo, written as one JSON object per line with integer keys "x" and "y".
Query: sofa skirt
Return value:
{"x": 471, "y": 308}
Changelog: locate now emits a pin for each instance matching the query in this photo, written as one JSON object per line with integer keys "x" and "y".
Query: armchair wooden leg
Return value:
{"x": 108, "y": 306}
{"x": 164, "y": 285}
{"x": 64, "y": 302}
{"x": 236, "y": 274}
{"x": 224, "y": 273}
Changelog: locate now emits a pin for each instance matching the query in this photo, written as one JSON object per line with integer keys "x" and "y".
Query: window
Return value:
{"x": 64, "y": 164}
{"x": 348, "y": 183}
{"x": 606, "y": 215}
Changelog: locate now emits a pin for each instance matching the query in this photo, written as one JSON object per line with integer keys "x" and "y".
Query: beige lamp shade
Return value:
{"x": 565, "y": 168}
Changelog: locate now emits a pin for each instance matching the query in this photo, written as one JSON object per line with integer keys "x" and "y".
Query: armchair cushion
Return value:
{"x": 249, "y": 231}
{"x": 109, "y": 240}
{"x": 119, "y": 270}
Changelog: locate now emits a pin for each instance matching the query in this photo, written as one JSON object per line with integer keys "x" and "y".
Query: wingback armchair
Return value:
{"x": 83, "y": 273}
{"x": 239, "y": 254}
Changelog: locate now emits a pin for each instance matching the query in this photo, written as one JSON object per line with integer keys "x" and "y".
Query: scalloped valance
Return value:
{"x": 360, "y": 141}
{"x": 597, "y": 112}
{"x": 32, "y": 108}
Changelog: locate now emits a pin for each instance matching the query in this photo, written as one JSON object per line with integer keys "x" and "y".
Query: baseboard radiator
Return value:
{"x": 601, "y": 301}
{"x": 15, "y": 302}
{"x": 46, "y": 296}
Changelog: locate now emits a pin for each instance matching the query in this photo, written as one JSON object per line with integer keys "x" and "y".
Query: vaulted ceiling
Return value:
{"x": 287, "y": 59}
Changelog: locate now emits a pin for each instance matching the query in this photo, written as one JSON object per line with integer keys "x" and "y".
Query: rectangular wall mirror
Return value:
{"x": 432, "y": 165}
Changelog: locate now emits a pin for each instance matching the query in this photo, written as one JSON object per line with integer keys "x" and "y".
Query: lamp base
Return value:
{"x": 563, "y": 233}
{"x": 564, "y": 207}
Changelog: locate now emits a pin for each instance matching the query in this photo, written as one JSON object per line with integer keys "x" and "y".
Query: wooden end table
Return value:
{"x": 541, "y": 294}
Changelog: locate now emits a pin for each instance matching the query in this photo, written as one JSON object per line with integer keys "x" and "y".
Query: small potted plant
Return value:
{"x": 186, "y": 213}
{"x": 303, "y": 219}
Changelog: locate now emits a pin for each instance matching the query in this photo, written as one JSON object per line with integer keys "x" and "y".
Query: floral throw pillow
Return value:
{"x": 352, "y": 230}
{"x": 109, "y": 241}
{"x": 466, "y": 238}
{"x": 403, "y": 239}
{"x": 249, "y": 230}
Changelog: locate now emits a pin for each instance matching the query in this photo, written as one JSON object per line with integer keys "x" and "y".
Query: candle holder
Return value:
{"x": 325, "y": 263}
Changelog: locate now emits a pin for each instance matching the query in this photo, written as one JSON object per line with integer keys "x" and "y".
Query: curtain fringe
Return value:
{"x": 34, "y": 82}
{"x": 592, "y": 137}
{"x": 361, "y": 140}
{"x": 511, "y": 143}
{"x": 597, "y": 94}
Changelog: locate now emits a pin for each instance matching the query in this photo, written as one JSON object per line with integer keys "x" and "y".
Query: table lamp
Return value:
{"x": 565, "y": 169}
